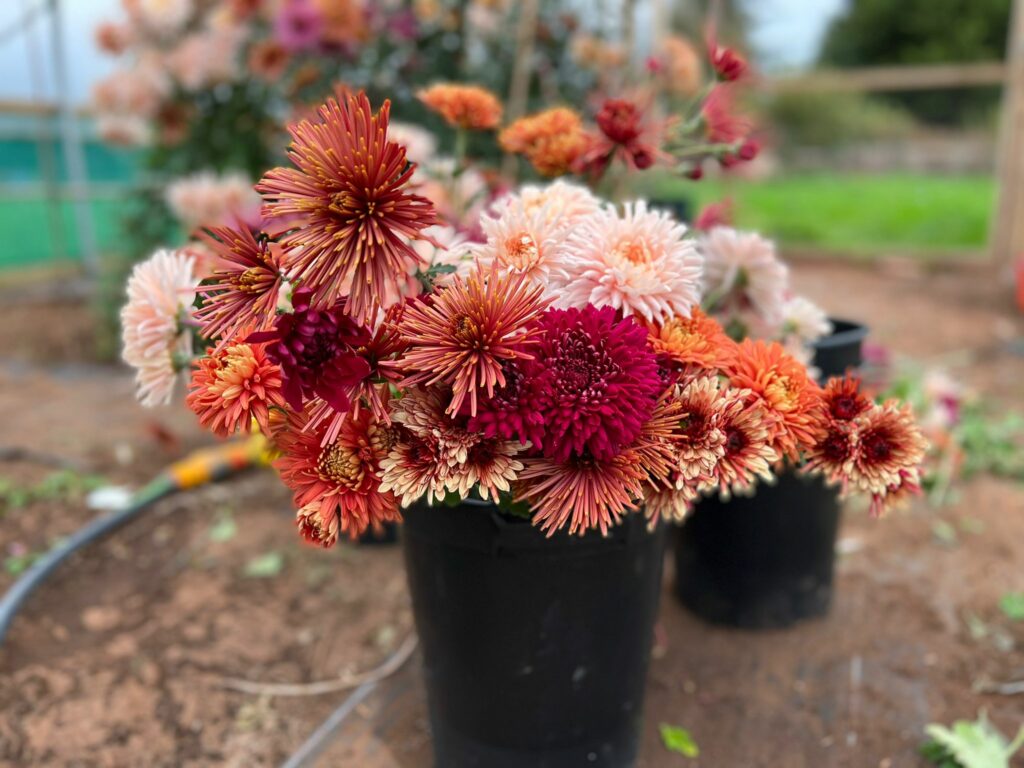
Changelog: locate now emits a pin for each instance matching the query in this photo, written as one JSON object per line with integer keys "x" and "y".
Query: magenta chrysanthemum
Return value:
{"x": 349, "y": 184}
{"x": 594, "y": 383}
{"x": 316, "y": 349}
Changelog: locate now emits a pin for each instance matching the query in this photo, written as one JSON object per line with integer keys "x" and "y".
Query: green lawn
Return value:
{"x": 855, "y": 214}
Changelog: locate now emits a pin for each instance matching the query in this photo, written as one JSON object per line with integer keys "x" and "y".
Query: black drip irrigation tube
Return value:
{"x": 201, "y": 467}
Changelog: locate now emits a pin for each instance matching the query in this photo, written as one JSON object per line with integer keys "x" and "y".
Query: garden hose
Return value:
{"x": 203, "y": 466}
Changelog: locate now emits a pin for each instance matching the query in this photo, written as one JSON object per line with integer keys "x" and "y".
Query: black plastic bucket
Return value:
{"x": 535, "y": 649}
{"x": 768, "y": 560}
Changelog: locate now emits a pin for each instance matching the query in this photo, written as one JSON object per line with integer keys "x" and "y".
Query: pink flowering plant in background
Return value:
{"x": 549, "y": 353}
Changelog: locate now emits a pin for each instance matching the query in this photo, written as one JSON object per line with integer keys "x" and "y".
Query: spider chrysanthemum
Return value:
{"x": 349, "y": 187}
{"x": 461, "y": 335}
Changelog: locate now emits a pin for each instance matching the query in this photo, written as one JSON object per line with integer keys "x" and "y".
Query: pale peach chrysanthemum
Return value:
{"x": 744, "y": 281}
{"x": 160, "y": 18}
{"x": 701, "y": 441}
{"x": 563, "y": 203}
{"x": 666, "y": 502}
{"x": 683, "y": 70}
{"x": 235, "y": 386}
{"x": 523, "y": 241}
{"x": 206, "y": 58}
{"x": 640, "y": 263}
{"x": 413, "y": 469}
{"x": 211, "y": 199}
{"x": 749, "y": 454}
{"x": 420, "y": 144}
{"x": 466, "y": 331}
{"x": 459, "y": 197}
{"x": 463, "y": 106}
{"x": 156, "y": 340}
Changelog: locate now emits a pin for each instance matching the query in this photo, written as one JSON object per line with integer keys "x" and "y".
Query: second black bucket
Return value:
{"x": 535, "y": 649}
{"x": 768, "y": 560}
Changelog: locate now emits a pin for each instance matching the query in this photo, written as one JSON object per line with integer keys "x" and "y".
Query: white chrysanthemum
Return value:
{"x": 207, "y": 199}
{"x": 521, "y": 240}
{"x": 744, "y": 280}
{"x": 640, "y": 262}
{"x": 155, "y": 341}
{"x": 562, "y": 202}
{"x": 420, "y": 144}
{"x": 805, "y": 320}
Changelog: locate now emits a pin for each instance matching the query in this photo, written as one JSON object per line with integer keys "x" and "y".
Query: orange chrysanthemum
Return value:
{"x": 697, "y": 341}
{"x": 553, "y": 140}
{"x": 463, "y": 334}
{"x": 582, "y": 493}
{"x": 336, "y": 486}
{"x": 463, "y": 106}
{"x": 234, "y": 386}
{"x": 789, "y": 396}
{"x": 348, "y": 186}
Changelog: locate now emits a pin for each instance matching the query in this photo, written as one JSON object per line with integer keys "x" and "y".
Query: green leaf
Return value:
{"x": 265, "y": 566}
{"x": 1012, "y": 604}
{"x": 972, "y": 745}
{"x": 223, "y": 529}
{"x": 678, "y": 740}
{"x": 945, "y": 533}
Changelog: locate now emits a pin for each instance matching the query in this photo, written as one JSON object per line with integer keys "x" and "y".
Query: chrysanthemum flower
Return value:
{"x": 898, "y": 494}
{"x": 700, "y": 444}
{"x": 889, "y": 444}
{"x": 625, "y": 134}
{"x": 463, "y": 106}
{"x": 749, "y": 454}
{"x": 413, "y": 469}
{"x": 843, "y": 400}
{"x": 206, "y": 198}
{"x": 597, "y": 382}
{"x": 317, "y": 350}
{"x": 722, "y": 124}
{"x": 525, "y": 238}
{"x": 581, "y": 493}
{"x": 553, "y": 140}
{"x": 349, "y": 187}
{"x": 156, "y": 341}
{"x": 464, "y": 332}
{"x": 563, "y": 203}
{"x": 744, "y": 281}
{"x": 640, "y": 263}
{"x": 336, "y": 486}
{"x": 695, "y": 342}
{"x": 668, "y": 502}
{"x": 834, "y": 453}
{"x": 511, "y": 413}
{"x": 803, "y": 321}
{"x": 234, "y": 386}
{"x": 245, "y": 284}
{"x": 788, "y": 395}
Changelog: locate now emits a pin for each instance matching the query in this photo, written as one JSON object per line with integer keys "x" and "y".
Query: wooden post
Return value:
{"x": 1007, "y": 240}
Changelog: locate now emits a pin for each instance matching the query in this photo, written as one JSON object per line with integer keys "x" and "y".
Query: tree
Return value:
{"x": 880, "y": 32}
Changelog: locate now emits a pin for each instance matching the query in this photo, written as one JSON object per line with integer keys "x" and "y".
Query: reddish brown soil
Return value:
{"x": 120, "y": 658}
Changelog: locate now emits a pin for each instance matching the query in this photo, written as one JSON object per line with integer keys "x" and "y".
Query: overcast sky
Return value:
{"x": 785, "y": 33}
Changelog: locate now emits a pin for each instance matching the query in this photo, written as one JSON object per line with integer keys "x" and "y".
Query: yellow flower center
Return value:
{"x": 340, "y": 464}
{"x": 521, "y": 252}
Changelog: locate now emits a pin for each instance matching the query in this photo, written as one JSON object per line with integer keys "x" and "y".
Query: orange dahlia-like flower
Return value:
{"x": 463, "y": 106}
{"x": 748, "y": 453}
{"x": 245, "y": 283}
{"x": 553, "y": 140}
{"x": 336, "y": 486}
{"x": 234, "y": 386}
{"x": 463, "y": 333}
{"x": 788, "y": 395}
{"x": 697, "y": 341}
{"x": 582, "y": 493}
{"x": 348, "y": 187}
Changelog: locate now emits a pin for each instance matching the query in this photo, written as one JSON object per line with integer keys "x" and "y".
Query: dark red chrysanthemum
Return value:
{"x": 843, "y": 400}
{"x": 624, "y": 134}
{"x": 245, "y": 284}
{"x": 728, "y": 64}
{"x": 595, "y": 382}
{"x": 349, "y": 186}
{"x": 317, "y": 352}
{"x": 512, "y": 412}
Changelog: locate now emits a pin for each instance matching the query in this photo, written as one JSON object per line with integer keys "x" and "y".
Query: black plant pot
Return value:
{"x": 535, "y": 649}
{"x": 385, "y": 533}
{"x": 768, "y": 560}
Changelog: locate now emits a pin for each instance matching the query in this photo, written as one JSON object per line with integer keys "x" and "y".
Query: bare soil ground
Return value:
{"x": 120, "y": 659}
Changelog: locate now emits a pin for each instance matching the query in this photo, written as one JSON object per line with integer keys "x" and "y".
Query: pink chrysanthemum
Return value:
{"x": 244, "y": 288}
{"x": 744, "y": 281}
{"x": 462, "y": 334}
{"x": 156, "y": 340}
{"x": 563, "y": 203}
{"x": 667, "y": 502}
{"x": 582, "y": 493}
{"x": 897, "y": 494}
{"x": 640, "y": 263}
{"x": 317, "y": 350}
{"x": 233, "y": 387}
{"x": 596, "y": 382}
{"x": 349, "y": 185}
{"x": 336, "y": 486}
{"x": 749, "y": 454}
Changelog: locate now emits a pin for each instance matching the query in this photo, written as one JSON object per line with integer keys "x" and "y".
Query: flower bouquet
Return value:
{"x": 534, "y": 401}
